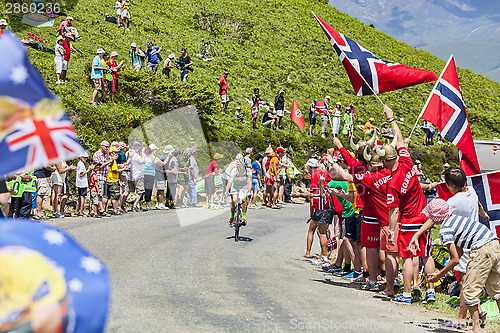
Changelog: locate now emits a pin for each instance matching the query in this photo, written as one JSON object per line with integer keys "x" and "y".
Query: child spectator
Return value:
{"x": 167, "y": 65}
{"x": 94, "y": 191}
{"x": 238, "y": 115}
{"x": 114, "y": 74}
{"x": 136, "y": 58}
{"x": 119, "y": 7}
{"x": 125, "y": 14}
{"x": 59, "y": 57}
{"x": 82, "y": 183}
{"x": 97, "y": 76}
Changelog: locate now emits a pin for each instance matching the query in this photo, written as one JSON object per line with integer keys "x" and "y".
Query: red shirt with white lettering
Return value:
{"x": 319, "y": 202}
{"x": 403, "y": 189}
{"x": 376, "y": 183}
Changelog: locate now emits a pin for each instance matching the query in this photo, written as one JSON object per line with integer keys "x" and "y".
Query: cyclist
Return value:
{"x": 239, "y": 176}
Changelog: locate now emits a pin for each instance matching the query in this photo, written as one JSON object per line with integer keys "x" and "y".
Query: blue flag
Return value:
{"x": 44, "y": 267}
{"x": 34, "y": 128}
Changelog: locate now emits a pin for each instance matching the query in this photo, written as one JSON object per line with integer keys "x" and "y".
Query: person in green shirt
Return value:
{"x": 346, "y": 193}
{"x": 137, "y": 57}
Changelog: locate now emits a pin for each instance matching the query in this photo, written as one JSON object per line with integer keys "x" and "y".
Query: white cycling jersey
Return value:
{"x": 240, "y": 175}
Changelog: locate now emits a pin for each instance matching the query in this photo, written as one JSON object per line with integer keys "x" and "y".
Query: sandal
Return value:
{"x": 385, "y": 294}
{"x": 306, "y": 256}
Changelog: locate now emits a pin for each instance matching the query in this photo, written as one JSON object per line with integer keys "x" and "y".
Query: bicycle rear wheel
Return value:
{"x": 237, "y": 223}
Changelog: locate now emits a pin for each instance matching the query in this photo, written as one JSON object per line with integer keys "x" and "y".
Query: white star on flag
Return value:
{"x": 91, "y": 265}
{"x": 54, "y": 237}
{"x": 19, "y": 74}
{"x": 75, "y": 285}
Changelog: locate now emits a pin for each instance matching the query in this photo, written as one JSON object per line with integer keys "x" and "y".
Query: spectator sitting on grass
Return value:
{"x": 238, "y": 115}
{"x": 136, "y": 58}
{"x": 63, "y": 28}
{"x": 114, "y": 74}
{"x": 152, "y": 54}
{"x": 269, "y": 119}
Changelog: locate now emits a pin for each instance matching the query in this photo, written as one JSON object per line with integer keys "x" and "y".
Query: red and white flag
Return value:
{"x": 296, "y": 116}
{"x": 445, "y": 108}
{"x": 364, "y": 69}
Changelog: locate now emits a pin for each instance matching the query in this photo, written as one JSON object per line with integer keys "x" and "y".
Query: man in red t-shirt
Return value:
{"x": 68, "y": 37}
{"x": 212, "y": 171}
{"x": 406, "y": 201}
{"x": 223, "y": 92}
{"x": 370, "y": 227}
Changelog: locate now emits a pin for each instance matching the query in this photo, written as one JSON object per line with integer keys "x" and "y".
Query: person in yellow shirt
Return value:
{"x": 33, "y": 293}
{"x": 369, "y": 127}
{"x": 113, "y": 186}
{"x": 274, "y": 172}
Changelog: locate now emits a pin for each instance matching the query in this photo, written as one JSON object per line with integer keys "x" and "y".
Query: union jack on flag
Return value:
{"x": 364, "y": 68}
{"x": 34, "y": 128}
{"x": 486, "y": 186}
{"x": 445, "y": 108}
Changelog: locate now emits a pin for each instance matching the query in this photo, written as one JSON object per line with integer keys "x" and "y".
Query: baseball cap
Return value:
{"x": 58, "y": 38}
{"x": 104, "y": 143}
{"x": 446, "y": 165}
{"x": 418, "y": 162}
{"x": 84, "y": 154}
{"x": 168, "y": 149}
{"x": 314, "y": 156}
{"x": 437, "y": 210}
{"x": 338, "y": 103}
{"x": 153, "y": 147}
{"x": 100, "y": 50}
{"x": 238, "y": 108}
{"x": 69, "y": 18}
{"x": 372, "y": 119}
{"x": 269, "y": 150}
{"x": 114, "y": 53}
{"x": 112, "y": 150}
{"x": 133, "y": 45}
{"x": 282, "y": 91}
{"x": 280, "y": 149}
{"x": 249, "y": 150}
{"x": 327, "y": 97}
{"x": 312, "y": 162}
{"x": 171, "y": 56}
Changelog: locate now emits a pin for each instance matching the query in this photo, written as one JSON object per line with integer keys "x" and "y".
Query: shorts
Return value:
{"x": 483, "y": 271}
{"x": 59, "y": 65}
{"x": 125, "y": 14}
{"x": 209, "y": 185}
{"x": 359, "y": 219}
{"x": 82, "y": 191}
{"x": 65, "y": 65}
{"x": 103, "y": 189}
{"x": 384, "y": 239}
{"x": 349, "y": 227}
{"x": 370, "y": 232}
{"x": 312, "y": 120}
{"x": 224, "y": 98}
{"x": 407, "y": 228}
{"x": 119, "y": 12}
{"x": 136, "y": 186}
{"x": 123, "y": 180}
{"x": 3, "y": 186}
{"x": 97, "y": 84}
{"x": 280, "y": 113}
{"x": 161, "y": 185}
{"x": 255, "y": 112}
{"x": 113, "y": 190}
{"x": 255, "y": 185}
{"x": 267, "y": 123}
{"x": 42, "y": 187}
{"x": 323, "y": 215}
{"x": 152, "y": 67}
{"x": 94, "y": 198}
{"x": 462, "y": 264}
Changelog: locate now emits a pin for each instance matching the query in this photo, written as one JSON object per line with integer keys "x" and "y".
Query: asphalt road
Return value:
{"x": 168, "y": 278}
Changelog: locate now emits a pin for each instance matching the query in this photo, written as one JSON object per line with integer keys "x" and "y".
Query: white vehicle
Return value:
{"x": 488, "y": 154}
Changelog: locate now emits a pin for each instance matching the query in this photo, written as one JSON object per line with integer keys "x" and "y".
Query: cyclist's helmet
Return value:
{"x": 240, "y": 160}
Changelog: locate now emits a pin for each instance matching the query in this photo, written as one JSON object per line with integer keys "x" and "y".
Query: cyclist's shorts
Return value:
{"x": 407, "y": 228}
{"x": 238, "y": 185}
{"x": 370, "y": 232}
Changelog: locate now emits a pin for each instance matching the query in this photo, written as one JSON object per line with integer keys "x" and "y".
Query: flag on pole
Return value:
{"x": 296, "y": 116}
{"x": 34, "y": 128}
{"x": 364, "y": 68}
{"x": 486, "y": 186}
{"x": 445, "y": 108}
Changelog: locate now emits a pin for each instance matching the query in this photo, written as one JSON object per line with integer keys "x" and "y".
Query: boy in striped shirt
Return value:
{"x": 460, "y": 233}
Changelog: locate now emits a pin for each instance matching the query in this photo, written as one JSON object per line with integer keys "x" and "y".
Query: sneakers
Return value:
{"x": 58, "y": 215}
{"x": 430, "y": 297}
{"x": 342, "y": 273}
{"x": 360, "y": 279}
{"x": 381, "y": 279}
{"x": 331, "y": 269}
{"x": 371, "y": 286}
{"x": 401, "y": 299}
{"x": 321, "y": 262}
{"x": 352, "y": 275}
{"x": 231, "y": 222}
{"x": 244, "y": 222}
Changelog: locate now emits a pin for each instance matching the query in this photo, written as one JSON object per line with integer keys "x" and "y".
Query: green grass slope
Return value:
{"x": 270, "y": 44}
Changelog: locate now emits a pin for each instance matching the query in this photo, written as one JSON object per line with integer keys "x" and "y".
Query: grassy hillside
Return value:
{"x": 270, "y": 44}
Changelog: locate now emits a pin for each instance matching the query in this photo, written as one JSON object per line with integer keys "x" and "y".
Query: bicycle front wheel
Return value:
{"x": 237, "y": 223}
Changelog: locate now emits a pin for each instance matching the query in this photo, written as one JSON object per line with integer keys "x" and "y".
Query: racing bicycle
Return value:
{"x": 238, "y": 217}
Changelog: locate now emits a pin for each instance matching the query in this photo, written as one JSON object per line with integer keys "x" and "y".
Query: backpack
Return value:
{"x": 111, "y": 19}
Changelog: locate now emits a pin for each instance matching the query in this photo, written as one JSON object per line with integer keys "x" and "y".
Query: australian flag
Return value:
{"x": 50, "y": 269}
{"x": 445, "y": 108}
{"x": 364, "y": 68}
{"x": 34, "y": 128}
{"x": 486, "y": 186}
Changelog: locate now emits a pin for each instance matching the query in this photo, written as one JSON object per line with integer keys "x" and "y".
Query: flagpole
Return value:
{"x": 429, "y": 98}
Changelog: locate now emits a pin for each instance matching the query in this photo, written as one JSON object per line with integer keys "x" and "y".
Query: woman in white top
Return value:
{"x": 58, "y": 59}
{"x": 58, "y": 178}
{"x": 119, "y": 6}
